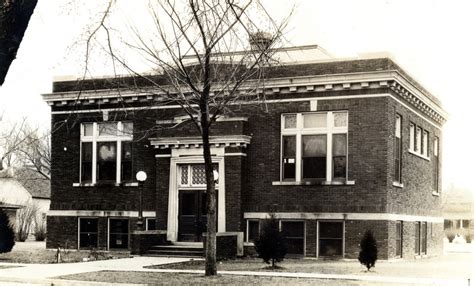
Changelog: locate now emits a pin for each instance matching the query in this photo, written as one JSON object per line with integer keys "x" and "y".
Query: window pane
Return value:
{"x": 108, "y": 128}
{"x": 184, "y": 174}
{"x": 290, "y": 121}
{"x": 198, "y": 175}
{"x": 340, "y": 119}
{"x": 425, "y": 142}
{"x": 126, "y": 165}
{"x": 436, "y": 146}
{"x": 253, "y": 230}
{"x": 398, "y": 238}
{"x": 412, "y": 137}
{"x": 314, "y": 120}
{"x": 424, "y": 234}
{"x": 330, "y": 230}
{"x": 188, "y": 204}
{"x": 398, "y": 126}
{"x": 339, "y": 149}
{"x": 88, "y": 129}
{"x": 314, "y": 156}
{"x": 106, "y": 160}
{"x": 289, "y": 157}
{"x": 418, "y": 139}
{"x": 86, "y": 162}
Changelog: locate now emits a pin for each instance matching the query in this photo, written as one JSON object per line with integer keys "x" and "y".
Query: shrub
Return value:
{"x": 450, "y": 234}
{"x": 368, "y": 250}
{"x": 40, "y": 229}
{"x": 271, "y": 245}
{"x": 7, "y": 234}
{"x": 25, "y": 218}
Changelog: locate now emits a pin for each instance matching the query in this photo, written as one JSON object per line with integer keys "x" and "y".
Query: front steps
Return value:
{"x": 178, "y": 249}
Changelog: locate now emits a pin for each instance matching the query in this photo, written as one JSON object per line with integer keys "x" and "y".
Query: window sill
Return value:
{"x": 397, "y": 184}
{"x": 419, "y": 155}
{"x": 435, "y": 194}
{"x": 313, "y": 183}
{"x": 249, "y": 244}
{"x": 129, "y": 184}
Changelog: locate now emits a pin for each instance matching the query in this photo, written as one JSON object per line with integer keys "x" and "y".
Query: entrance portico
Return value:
{"x": 187, "y": 186}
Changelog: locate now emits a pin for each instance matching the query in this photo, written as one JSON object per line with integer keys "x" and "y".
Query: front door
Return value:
{"x": 192, "y": 220}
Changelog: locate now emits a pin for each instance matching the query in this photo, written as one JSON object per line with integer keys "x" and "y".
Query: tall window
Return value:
{"x": 417, "y": 238}
{"x": 424, "y": 237}
{"x": 398, "y": 149}
{"x": 398, "y": 238}
{"x": 314, "y": 146}
{"x": 436, "y": 165}
{"x": 106, "y": 152}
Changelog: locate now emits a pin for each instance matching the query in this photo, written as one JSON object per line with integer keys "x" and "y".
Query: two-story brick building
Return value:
{"x": 342, "y": 146}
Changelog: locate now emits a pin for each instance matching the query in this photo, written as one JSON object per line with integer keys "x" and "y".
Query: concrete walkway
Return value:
{"x": 43, "y": 274}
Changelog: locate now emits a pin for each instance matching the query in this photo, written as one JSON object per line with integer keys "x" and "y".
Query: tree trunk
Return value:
{"x": 211, "y": 267}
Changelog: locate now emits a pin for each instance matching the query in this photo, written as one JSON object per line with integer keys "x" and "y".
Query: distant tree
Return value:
{"x": 7, "y": 235}
{"x": 271, "y": 244}
{"x": 25, "y": 220}
{"x": 368, "y": 250}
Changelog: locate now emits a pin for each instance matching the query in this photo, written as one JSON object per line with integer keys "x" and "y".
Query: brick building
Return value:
{"x": 342, "y": 146}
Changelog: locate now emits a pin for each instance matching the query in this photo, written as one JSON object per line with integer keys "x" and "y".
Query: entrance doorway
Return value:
{"x": 192, "y": 215}
{"x": 192, "y": 197}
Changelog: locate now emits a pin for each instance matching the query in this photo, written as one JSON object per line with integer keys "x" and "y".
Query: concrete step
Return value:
{"x": 181, "y": 250}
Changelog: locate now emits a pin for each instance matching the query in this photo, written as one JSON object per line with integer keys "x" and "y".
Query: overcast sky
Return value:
{"x": 432, "y": 40}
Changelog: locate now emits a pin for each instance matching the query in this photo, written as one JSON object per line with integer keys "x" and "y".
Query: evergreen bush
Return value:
{"x": 368, "y": 250}
{"x": 7, "y": 234}
{"x": 271, "y": 244}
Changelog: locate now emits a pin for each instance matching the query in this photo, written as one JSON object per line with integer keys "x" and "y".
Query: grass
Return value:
{"x": 451, "y": 266}
{"x": 154, "y": 278}
{"x": 35, "y": 252}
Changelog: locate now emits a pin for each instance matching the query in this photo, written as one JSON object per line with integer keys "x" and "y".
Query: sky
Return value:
{"x": 431, "y": 39}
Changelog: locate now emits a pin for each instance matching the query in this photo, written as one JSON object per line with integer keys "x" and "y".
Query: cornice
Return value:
{"x": 196, "y": 142}
{"x": 391, "y": 79}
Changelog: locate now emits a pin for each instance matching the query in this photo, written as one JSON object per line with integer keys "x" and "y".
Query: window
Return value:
{"x": 398, "y": 149}
{"x": 424, "y": 236}
{"x": 465, "y": 223}
{"x": 314, "y": 146}
{"x": 419, "y": 140}
{"x": 88, "y": 229}
{"x": 436, "y": 165}
{"x": 330, "y": 238}
{"x": 293, "y": 231}
{"x": 253, "y": 230}
{"x": 194, "y": 175}
{"x": 417, "y": 238}
{"x": 106, "y": 152}
{"x": 398, "y": 238}
{"x": 118, "y": 233}
{"x": 151, "y": 223}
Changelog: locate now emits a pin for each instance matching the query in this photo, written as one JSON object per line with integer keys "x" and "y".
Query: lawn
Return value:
{"x": 154, "y": 278}
{"x": 446, "y": 266}
{"x": 36, "y": 252}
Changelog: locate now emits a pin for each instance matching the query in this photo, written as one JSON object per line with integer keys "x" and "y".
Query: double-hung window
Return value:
{"x": 398, "y": 149}
{"x": 314, "y": 146}
{"x": 106, "y": 152}
{"x": 419, "y": 140}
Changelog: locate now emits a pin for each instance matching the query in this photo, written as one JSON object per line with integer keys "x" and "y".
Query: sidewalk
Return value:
{"x": 44, "y": 274}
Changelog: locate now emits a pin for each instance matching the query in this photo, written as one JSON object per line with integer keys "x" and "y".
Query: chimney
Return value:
{"x": 260, "y": 41}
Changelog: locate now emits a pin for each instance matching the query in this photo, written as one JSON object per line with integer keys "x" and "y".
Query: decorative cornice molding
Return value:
{"x": 391, "y": 79}
{"x": 196, "y": 142}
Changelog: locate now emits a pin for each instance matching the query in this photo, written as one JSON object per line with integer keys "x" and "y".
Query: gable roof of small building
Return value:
{"x": 15, "y": 181}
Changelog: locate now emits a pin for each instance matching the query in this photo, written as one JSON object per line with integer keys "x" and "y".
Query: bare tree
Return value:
{"x": 11, "y": 139}
{"x": 201, "y": 51}
{"x": 35, "y": 151}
